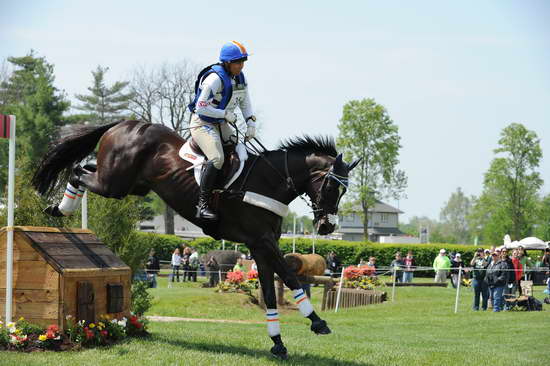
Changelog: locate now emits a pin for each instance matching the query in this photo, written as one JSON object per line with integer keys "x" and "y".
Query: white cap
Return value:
{"x": 442, "y": 251}
{"x": 457, "y": 255}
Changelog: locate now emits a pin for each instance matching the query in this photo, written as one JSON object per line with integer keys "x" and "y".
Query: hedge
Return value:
{"x": 348, "y": 252}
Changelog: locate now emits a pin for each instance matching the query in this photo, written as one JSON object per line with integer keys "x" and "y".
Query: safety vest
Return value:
{"x": 226, "y": 94}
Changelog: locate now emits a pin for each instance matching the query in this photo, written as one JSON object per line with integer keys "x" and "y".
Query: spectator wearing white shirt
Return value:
{"x": 176, "y": 263}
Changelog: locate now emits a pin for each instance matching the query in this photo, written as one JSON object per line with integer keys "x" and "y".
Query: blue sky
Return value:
{"x": 451, "y": 74}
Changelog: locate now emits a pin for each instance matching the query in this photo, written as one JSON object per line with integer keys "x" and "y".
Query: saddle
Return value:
{"x": 232, "y": 165}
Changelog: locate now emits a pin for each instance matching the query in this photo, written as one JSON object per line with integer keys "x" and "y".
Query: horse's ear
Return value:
{"x": 339, "y": 165}
{"x": 354, "y": 164}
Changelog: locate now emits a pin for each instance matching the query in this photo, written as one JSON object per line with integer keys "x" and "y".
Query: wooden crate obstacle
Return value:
{"x": 59, "y": 272}
{"x": 350, "y": 298}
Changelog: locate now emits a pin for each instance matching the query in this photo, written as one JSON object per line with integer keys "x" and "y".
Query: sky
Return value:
{"x": 451, "y": 75}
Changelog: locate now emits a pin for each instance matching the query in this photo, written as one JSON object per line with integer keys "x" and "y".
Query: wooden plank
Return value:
{"x": 86, "y": 302}
{"x": 36, "y": 310}
{"x": 47, "y": 229}
{"x": 32, "y": 296}
{"x": 28, "y": 275}
{"x": 96, "y": 272}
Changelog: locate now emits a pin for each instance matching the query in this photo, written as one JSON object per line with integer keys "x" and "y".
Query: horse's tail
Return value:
{"x": 74, "y": 145}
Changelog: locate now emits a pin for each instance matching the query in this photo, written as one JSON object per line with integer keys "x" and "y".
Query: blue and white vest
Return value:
{"x": 227, "y": 90}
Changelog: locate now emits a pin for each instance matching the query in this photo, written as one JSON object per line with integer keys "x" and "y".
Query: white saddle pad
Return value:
{"x": 198, "y": 160}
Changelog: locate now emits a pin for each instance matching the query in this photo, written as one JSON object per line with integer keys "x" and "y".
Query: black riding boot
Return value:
{"x": 208, "y": 179}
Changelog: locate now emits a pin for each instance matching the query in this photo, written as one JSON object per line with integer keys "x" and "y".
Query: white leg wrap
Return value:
{"x": 273, "y": 325}
{"x": 71, "y": 200}
{"x": 303, "y": 302}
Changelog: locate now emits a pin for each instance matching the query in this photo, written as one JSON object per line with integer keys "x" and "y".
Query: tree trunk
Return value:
{"x": 366, "y": 224}
{"x": 169, "y": 221}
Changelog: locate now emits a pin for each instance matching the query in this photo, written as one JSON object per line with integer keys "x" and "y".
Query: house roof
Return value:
{"x": 380, "y": 206}
{"x": 66, "y": 249}
{"x": 372, "y": 231}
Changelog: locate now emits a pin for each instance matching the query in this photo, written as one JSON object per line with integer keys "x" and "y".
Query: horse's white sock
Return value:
{"x": 71, "y": 200}
{"x": 303, "y": 302}
{"x": 273, "y": 325}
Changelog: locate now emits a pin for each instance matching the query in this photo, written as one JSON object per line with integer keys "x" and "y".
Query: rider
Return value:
{"x": 219, "y": 89}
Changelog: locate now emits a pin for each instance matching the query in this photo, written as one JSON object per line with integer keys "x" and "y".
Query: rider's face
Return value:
{"x": 235, "y": 68}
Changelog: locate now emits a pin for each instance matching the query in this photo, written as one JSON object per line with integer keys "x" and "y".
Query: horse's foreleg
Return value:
{"x": 318, "y": 326}
{"x": 266, "y": 275}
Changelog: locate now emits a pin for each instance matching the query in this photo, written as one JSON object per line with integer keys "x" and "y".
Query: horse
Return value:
{"x": 135, "y": 157}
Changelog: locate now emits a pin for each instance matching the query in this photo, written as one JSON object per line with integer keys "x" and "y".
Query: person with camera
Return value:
{"x": 497, "y": 279}
{"x": 479, "y": 264}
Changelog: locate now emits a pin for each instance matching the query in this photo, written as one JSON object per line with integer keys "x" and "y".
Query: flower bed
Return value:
{"x": 24, "y": 336}
{"x": 361, "y": 278}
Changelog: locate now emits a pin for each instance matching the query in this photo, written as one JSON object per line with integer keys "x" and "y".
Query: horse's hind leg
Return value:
{"x": 112, "y": 182}
{"x": 266, "y": 275}
{"x": 318, "y": 326}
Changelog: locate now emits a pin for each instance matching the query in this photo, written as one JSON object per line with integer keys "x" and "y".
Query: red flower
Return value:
{"x": 252, "y": 274}
{"x": 104, "y": 333}
{"x": 138, "y": 325}
{"x": 235, "y": 277}
{"x": 89, "y": 334}
{"x": 53, "y": 328}
{"x": 352, "y": 272}
{"x": 133, "y": 319}
{"x": 50, "y": 334}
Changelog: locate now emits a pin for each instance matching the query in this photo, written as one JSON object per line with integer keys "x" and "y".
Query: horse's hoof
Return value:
{"x": 320, "y": 327}
{"x": 279, "y": 351}
{"x": 53, "y": 210}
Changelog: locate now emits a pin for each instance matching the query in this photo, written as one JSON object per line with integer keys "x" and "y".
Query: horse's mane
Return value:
{"x": 309, "y": 144}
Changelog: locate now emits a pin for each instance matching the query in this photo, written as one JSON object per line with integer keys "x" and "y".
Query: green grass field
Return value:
{"x": 419, "y": 328}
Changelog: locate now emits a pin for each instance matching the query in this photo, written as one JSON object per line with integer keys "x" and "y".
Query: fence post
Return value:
{"x": 393, "y": 285}
{"x": 458, "y": 288}
{"x": 339, "y": 291}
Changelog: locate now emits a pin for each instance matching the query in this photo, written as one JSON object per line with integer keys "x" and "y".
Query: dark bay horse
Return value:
{"x": 134, "y": 158}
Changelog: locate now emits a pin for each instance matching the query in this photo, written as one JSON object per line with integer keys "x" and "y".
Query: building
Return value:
{"x": 182, "y": 228}
{"x": 383, "y": 222}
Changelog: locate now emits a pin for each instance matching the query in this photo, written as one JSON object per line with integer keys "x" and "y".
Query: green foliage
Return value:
{"x": 141, "y": 299}
{"x": 29, "y": 94}
{"x": 163, "y": 245}
{"x": 454, "y": 217}
{"x": 511, "y": 187}
{"x": 367, "y": 132}
{"x": 303, "y": 223}
{"x": 542, "y": 228}
{"x": 105, "y": 103}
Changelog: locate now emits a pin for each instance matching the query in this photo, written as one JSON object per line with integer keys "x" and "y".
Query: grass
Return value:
{"x": 419, "y": 328}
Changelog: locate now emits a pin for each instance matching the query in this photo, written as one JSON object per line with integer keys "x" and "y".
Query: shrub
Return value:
{"x": 141, "y": 298}
{"x": 163, "y": 244}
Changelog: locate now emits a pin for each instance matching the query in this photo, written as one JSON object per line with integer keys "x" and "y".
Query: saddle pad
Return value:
{"x": 187, "y": 154}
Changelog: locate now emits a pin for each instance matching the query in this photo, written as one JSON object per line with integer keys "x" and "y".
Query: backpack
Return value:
{"x": 530, "y": 304}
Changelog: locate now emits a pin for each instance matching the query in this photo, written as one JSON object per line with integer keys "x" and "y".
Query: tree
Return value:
{"x": 367, "y": 132}
{"x": 303, "y": 223}
{"x": 29, "y": 93}
{"x": 454, "y": 217}
{"x": 105, "y": 103}
{"x": 542, "y": 229}
{"x": 511, "y": 186}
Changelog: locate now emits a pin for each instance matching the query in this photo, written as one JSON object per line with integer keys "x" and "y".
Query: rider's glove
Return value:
{"x": 250, "y": 130}
{"x": 230, "y": 116}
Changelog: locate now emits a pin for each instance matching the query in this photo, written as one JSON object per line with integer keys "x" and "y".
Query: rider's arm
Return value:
{"x": 246, "y": 106}
{"x": 210, "y": 86}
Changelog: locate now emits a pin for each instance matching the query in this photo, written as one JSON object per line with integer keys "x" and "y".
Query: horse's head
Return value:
{"x": 326, "y": 190}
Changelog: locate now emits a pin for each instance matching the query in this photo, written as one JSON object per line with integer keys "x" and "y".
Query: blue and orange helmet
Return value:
{"x": 233, "y": 51}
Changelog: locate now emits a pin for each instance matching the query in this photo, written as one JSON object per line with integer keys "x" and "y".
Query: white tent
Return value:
{"x": 531, "y": 243}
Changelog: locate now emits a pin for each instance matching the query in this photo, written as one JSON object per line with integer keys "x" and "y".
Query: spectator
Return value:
{"x": 456, "y": 264}
{"x": 479, "y": 263}
{"x": 333, "y": 263}
{"x": 239, "y": 266}
{"x": 185, "y": 263}
{"x": 496, "y": 279}
{"x": 441, "y": 266}
{"x": 410, "y": 265}
{"x": 397, "y": 265}
{"x": 525, "y": 261}
{"x": 153, "y": 268}
{"x": 518, "y": 272}
{"x": 546, "y": 267}
{"x": 193, "y": 265}
{"x": 176, "y": 263}
{"x": 510, "y": 277}
{"x": 362, "y": 263}
{"x": 371, "y": 264}
{"x": 213, "y": 268}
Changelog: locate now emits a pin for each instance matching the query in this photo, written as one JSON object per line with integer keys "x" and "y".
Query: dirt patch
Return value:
{"x": 155, "y": 318}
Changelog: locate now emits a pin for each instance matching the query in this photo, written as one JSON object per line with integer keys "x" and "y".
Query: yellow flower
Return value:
{"x": 92, "y": 325}
{"x": 21, "y": 319}
{"x": 42, "y": 337}
{"x": 101, "y": 324}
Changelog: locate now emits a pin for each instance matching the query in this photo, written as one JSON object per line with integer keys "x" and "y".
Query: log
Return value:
{"x": 306, "y": 264}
